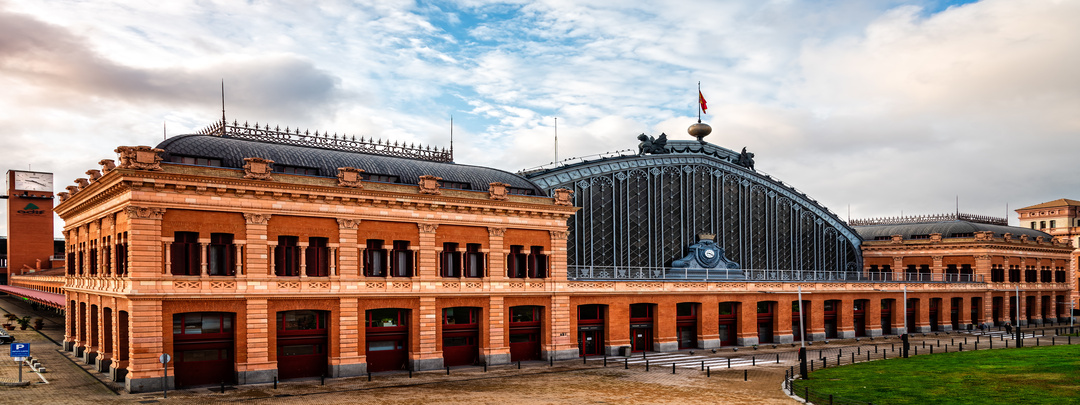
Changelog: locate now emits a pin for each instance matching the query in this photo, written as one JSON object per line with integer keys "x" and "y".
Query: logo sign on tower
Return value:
{"x": 31, "y": 209}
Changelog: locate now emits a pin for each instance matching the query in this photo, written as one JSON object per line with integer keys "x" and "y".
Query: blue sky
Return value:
{"x": 881, "y": 106}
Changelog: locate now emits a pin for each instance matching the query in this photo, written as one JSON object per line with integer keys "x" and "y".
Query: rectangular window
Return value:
{"x": 590, "y": 312}
{"x": 402, "y": 264}
{"x": 640, "y": 311}
{"x": 382, "y": 178}
{"x": 519, "y": 191}
{"x": 221, "y": 255}
{"x": 307, "y": 171}
{"x": 191, "y": 160}
{"x": 460, "y": 316}
{"x": 456, "y": 185}
{"x": 287, "y": 256}
{"x": 764, "y": 307}
{"x": 301, "y": 320}
{"x": 451, "y": 260}
{"x": 185, "y": 258}
{"x": 387, "y": 318}
{"x": 516, "y": 262}
{"x": 727, "y": 308}
{"x": 384, "y": 345}
{"x": 1053, "y": 223}
{"x": 201, "y": 323}
{"x": 375, "y": 259}
{"x": 538, "y": 262}
{"x": 685, "y": 309}
{"x": 474, "y": 260}
{"x": 1014, "y": 274}
{"x": 1030, "y": 275}
{"x": 524, "y": 314}
{"x": 1032, "y": 224}
{"x": 317, "y": 257}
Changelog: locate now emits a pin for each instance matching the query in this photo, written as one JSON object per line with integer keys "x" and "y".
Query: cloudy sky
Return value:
{"x": 886, "y": 107}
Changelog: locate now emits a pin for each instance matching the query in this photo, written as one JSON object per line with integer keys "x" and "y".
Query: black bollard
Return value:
{"x": 584, "y": 360}
{"x": 485, "y": 367}
{"x": 323, "y": 380}
{"x": 223, "y": 387}
{"x": 824, "y": 363}
{"x": 746, "y": 375}
{"x": 410, "y": 375}
{"x": 551, "y": 361}
{"x": 867, "y": 355}
{"x": 646, "y": 366}
{"x": 778, "y": 358}
{"x": 811, "y": 365}
{"x": 519, "y": 364}
{"x": 605, "y": 361}
{"x": 672, "y": 368}
{"x": 852, "y": 358}
{"x": 369, "y": 375}
{"x": 703, "y": 364}
{"x": 753, "y": 360}
{"x": 626, "y": 364}
{"x": 447, "y": 370}
{"x": 729, "y": 362}
{"x": 931, "y": 349}
{"x": 275, "y": 382}
{"x": 708, "y": 371}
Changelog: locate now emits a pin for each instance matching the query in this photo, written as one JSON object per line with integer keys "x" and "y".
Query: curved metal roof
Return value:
{"x": 232, "y": 151}
{"x": 945, "y": 228}
{"x": 682, "y": 153}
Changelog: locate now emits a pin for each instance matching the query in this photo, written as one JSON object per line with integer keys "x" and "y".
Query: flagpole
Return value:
{"x": 699, "y": 101}
{"x": 556, "y": 141}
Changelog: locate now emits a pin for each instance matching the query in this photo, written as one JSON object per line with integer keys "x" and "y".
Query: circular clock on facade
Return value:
{"x": 33, "y": 181}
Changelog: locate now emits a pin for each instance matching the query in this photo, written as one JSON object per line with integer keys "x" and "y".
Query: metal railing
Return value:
{"x": 664, "y": 273}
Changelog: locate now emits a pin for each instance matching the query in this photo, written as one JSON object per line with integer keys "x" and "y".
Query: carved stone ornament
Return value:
{"x": 1023, "y": 238}
{"x": 984, "y": 235}
{"x": 1040, "y": 239}
{"x": 938, "y": 258}
{"x": 498, "y": 192}
{"x": 935, "y": 238}
{"x": 559, "y": 235}
{"x": 107, "y": 165}
{"x": 897, "y": 239}
{"x": 139, "y": 157}
{"x": 72, "y": 189}
{"x": 134, "y": 212}
{"x": 1007, "y": 236}
{"x": 564, "y": 197}
{"x": 496, "y": 232}
{"x": 256, "y": 219}
{"x": 83, "y": 183}
{"x": 63, "y": 195}
{"x": 429, "y": 185}
{"x": 258, "y": 168}
{"x": 348, "y": 223}
{"x": 427, "y": 228}
{"x": 94, "y": 174}
{"x": 349, "y": 177}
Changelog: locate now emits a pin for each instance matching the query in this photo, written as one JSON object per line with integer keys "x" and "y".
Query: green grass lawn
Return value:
{"x": 1032, "y": 375}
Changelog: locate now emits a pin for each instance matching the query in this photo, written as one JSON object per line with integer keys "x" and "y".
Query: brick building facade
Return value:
{"x": 249, "y": 254}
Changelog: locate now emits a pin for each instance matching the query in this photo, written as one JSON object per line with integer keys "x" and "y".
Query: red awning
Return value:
{"x": 41, "y": 297}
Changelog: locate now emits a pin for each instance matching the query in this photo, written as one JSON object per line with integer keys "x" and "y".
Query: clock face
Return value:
{"x": 30, "y": 181}
{"x": 710, "y": 253}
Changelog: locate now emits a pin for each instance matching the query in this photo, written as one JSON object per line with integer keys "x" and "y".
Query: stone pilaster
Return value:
{"x": 427, "y": 266}
{"x": 427, "y": 357}
{"x": 144, "y": 370}
{"x": 563, "y": 340}
{"x": 258, "y": 252}
{"x": 495, "y": 349}
{"x": 350, "y": 360}
{"x": 259, "y": 368}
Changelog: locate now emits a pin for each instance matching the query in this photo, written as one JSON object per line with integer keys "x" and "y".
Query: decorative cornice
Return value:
{"x": 350, "y": 177}
{"x": 135, "y": 212}
{"x": 256, "y": 219}
{"x": 348, "y": 223}
{"x": 498, "y": 192}
{"x": 139, "y": 157}
{"x": 429, "y": 185}
{"x": 257, "y": 168}
{"x": 563, "y": 197}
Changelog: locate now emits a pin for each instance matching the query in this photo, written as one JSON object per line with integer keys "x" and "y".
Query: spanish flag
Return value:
{"x": 701, "y": 100}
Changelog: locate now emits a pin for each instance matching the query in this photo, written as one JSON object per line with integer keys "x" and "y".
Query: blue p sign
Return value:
{"x": 20, "y": 350}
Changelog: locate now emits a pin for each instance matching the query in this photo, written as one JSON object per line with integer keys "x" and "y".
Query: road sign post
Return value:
{"x": 164, "y": 359}
{"x": 19, "y": 352}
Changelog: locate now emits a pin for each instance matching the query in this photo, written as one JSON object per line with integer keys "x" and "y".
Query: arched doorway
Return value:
{"x": 525, "y": 333}
{"x": 302, "y": 343}
{"x": 203, "y": 345}
{"x": 387, "y": 337}
{"x": 461, "y": 336}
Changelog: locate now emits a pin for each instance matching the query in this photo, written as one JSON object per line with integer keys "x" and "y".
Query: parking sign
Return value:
{"x": 20, "y": 350}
